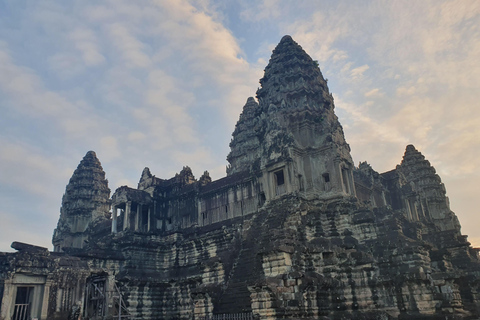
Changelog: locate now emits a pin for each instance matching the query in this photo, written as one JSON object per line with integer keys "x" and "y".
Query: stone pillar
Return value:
{"x": 199, "y": 213}
{"x": 138, "y": 218}
{"x": 351, "y": 181}
{"x": 270, "y": 191}
{"x": 336, "y": 182}
{"x": 153, "y": 217}
{"x": 8, "y": 300}
{"x": 384, "y": 199}
{"x": 46, "y": 296}
{"x": 345, "y": 179}
{"x": 114, "y": 219}
{"x": 149, "y": 218}
{"x": 126, "y": 218}
{"x": 408, "y": 209}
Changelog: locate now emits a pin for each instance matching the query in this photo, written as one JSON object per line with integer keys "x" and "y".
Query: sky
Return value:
{"x": 161, "y": 84}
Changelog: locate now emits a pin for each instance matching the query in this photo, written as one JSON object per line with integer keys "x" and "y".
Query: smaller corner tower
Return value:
{"x": 424, "y": 193}
{"x": 86, "y": 202}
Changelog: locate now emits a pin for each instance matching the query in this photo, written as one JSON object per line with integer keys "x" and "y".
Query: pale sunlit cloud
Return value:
{"x": 373, "y": 93}
{"x": 262, "y": 10}
{"x": 357, "y": 73}
{"x": 131, "y": 48}
{"x": 87, "y": 43}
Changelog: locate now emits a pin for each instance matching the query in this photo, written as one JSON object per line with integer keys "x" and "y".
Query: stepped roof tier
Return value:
{"x": 295, "y": 110}
{"x": 86, "y": 201}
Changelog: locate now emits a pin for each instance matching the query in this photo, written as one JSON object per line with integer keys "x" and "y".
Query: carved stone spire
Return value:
{"x": 185, "y": 176}
{"x": 245, "y": 143}
{"x": 427, "y": 195}
{"x": 293, "y": 80}
{"x": 85, "y": 202}
{"x": 293, "y": 125}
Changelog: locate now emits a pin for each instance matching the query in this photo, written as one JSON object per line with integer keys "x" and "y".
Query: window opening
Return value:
{"x": 263, "y": 198}
{"x": 279, "y": 178}
{"x": 326, "y": 177}
{"x": 280, "y": 182}
{"x": 145, "y": 220}
{"x": 345, "y": 180}
{"x": 326, "y": 181}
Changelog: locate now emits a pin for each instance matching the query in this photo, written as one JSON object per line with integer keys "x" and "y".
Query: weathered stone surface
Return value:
{"x": 84, "y": 204}
{"x": 20, "y": 246}
{"x": 425, "y": 191}
{"x": 294, "y": 231}
{"x": 293, "y": 123}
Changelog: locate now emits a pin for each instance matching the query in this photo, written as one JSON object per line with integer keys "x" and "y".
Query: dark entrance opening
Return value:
{"x": 144, "y": 220}
{"x": 326, "y": 181}
{"x": 279, "y": 182}
{"x": 95, "y": 297}
{"x": 23, "y": 303}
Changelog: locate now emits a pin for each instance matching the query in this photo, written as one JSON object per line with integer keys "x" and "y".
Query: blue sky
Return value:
{"x": 162, "y": 83}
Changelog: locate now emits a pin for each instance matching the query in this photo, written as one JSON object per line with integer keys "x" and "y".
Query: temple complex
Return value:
{"x": 293, "y": 231}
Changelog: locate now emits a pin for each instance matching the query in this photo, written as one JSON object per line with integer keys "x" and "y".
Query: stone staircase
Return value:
{"x": 247, "y": 268}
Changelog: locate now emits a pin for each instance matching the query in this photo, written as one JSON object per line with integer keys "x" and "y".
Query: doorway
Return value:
{"x": 23, "y": 303}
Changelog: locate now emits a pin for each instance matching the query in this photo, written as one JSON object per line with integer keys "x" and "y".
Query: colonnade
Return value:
{"x": 142, "y": 219}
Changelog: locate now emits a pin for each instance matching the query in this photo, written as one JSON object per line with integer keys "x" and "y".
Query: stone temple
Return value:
{"x": 294, "y": 230}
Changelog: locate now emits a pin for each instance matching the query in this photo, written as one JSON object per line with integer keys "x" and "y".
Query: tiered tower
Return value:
{"x": 424, "y": 192}
{"x": 292, "y": 134}
{"x": 86, "y": 201}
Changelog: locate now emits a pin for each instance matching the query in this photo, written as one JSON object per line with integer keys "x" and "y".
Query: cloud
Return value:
{"x": 131, "y": 48}
{"x": 262, "y": 10}
{"x": 358, "y": 72}
{"x": 65, "y": 65}
{"x": 136, "y": 136}
{"x": 409, "y": 90}
{"x": 109, "y": 146}
{"x": 28, "y": 96}
{"x": 87, "y": 43}
{"x": 30, "y": 192}
{"x": 27, "y": 169}
{"x": 373, "y": 93}
{"x": 15, "y": 229}
{"x": 319, "y": 34}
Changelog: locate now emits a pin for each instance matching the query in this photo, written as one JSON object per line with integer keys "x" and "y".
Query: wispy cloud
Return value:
{"x": 358, "y": 72}
{"x": 373, "y": 93}
{"x": 131, "y": 49}
{"x": 86, "y": 42}
{"x": 262, "y": 10}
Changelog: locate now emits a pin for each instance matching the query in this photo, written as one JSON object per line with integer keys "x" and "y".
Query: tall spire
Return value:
{"x": 86, "y": 200}
{"x": 294, "y": 125}
{"x": 293, "y": 79}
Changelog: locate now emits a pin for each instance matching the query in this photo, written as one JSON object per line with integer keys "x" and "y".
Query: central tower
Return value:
{"x": 292, "y": 135}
